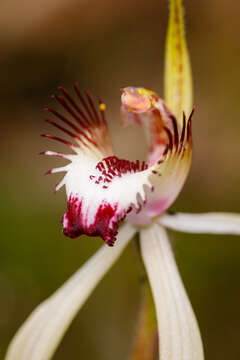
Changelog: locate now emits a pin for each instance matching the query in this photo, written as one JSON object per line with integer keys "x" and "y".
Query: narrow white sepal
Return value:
{"x": 179, "y": 336}
{"x": 39, "y": 336}
{"x": 211, "y": 223}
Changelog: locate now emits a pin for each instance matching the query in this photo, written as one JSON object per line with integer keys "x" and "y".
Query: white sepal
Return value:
{"x": 179, "y": 336}
{"x": 39, "y": 336}
{"x": 210, "y": 223}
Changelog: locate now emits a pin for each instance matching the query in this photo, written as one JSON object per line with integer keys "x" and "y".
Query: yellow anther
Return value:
{"x": 102, "y": 107}
{"x": 141, "y": 92}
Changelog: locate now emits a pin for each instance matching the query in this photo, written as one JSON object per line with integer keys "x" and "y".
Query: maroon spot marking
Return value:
{"x": 48, "y": 172}
{"x": 105, "y": 224}
{"x": 111, "y": 167}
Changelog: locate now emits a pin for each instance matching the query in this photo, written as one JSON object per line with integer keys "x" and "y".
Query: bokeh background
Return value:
{"x": 106, "y": 45}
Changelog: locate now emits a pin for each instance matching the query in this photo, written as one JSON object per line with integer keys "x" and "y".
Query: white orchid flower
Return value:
{"x": 104, "y": 192}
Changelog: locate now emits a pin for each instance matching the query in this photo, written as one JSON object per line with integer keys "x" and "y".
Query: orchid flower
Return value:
{"x": 116, "y": 198}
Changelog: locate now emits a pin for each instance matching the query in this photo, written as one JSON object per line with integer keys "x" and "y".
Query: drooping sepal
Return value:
{"x": 179, "y": 335}
{"x": 41, "y": 333}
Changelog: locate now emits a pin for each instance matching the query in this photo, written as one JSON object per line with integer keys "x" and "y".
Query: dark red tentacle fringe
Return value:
{"x": 87, "y": 116}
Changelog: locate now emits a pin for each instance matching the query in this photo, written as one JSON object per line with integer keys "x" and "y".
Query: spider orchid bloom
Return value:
{"x": 104, "y": 192}
{"x": 102, "y": 189}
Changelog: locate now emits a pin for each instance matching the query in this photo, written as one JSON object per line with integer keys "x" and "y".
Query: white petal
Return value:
{"x": 101, "y": 189}
{"x": 41, "y": 333}
{"x": 179, "y": 336}
{"x": 100, "y": 194}
{"x": 211, "y": 223}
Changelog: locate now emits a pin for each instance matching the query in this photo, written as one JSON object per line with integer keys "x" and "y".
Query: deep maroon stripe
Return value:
{"x": 61, "y": 100}
{"x": 191, "y": 114}
{"x": 84, "y": 104}
{"x": 68, "y": 143}
{"x": 76, "y": 107}
{"x": 169, "y": 134}
{"x": 66, "y": 121}
{"x": 183, "y": 129}
{"x": 189, "y": 129}
{"x": 78, "y": 131}
{"x": 166, "y": 150}
{"x": 93, "y": 107}
{"x": 74, "y": 136}
{"x": 69, "y": 98}
{"x": 189, "y": 125}
{"x": 175, "y": 130}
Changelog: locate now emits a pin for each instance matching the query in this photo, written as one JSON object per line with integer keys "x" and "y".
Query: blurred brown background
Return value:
{"x": 107, "y": 45}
